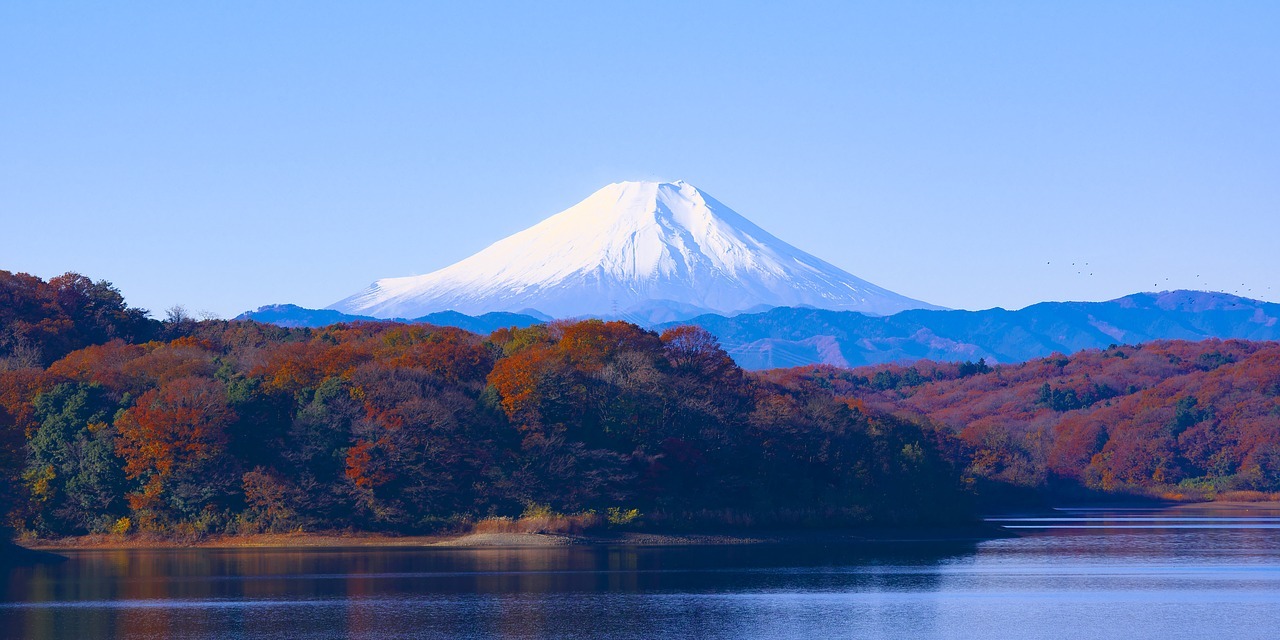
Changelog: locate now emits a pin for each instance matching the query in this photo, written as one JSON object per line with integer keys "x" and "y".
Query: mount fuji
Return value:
{"x": 663, "y": 250}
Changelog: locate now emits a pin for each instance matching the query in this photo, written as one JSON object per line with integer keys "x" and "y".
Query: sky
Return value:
{"x": 228, "y": 155}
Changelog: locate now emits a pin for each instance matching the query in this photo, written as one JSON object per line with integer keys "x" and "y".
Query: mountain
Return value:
{"x": 289, "y": 315}
{"x": 787, "y": 337}
{"x": 483, "y": 324}
{"x": 644, "y": 249}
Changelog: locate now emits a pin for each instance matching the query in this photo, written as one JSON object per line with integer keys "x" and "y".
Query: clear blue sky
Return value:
{"x": 225, "y": 155}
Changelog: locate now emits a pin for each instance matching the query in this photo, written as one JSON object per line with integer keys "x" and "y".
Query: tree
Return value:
{"x": 11, "y": 486}
{"x": 43, "y": 321}
{"x": 173, "y": 441}
{"x": 72, "y": 470}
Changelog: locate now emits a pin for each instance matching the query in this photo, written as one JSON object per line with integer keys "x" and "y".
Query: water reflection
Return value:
{"x": 504, "y": 592}
{"x": 1049, "y": 582}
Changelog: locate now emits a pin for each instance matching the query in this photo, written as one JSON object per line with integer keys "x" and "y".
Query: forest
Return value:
{"x": 1172, "y": 419}
{"x": 114, "y": 423}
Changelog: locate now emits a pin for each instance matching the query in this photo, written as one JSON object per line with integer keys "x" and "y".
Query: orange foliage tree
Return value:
{"x": 172, "y": 440}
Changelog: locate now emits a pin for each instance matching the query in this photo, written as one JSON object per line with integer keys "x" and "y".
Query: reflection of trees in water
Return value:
{"x": 1060, "y": 582}
{"x": 462, "y": 592}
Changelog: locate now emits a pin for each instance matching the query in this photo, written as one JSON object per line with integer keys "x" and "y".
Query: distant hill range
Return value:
{"x": 788, "y": 336}
{"x": 291, "y": 315}
{"x": 795, "y": 337}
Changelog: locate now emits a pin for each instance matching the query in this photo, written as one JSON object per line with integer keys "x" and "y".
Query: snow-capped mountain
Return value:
{"x": 632, "y": 245}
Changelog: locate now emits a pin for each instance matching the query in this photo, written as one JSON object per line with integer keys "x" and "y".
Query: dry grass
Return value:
{"x": 550, "y": 523}
{"x": 1195, "y": 494}
{"x": 1247, "y": 496}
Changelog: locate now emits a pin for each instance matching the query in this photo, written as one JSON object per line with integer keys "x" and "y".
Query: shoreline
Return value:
{"x": 338, "y": 540}
{"x": 956, "y": 533}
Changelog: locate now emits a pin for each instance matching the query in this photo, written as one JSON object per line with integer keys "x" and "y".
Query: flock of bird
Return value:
{"x": 1243, "y": 290}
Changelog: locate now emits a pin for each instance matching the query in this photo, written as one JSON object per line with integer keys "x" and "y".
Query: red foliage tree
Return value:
{"x": 175, "y": 430}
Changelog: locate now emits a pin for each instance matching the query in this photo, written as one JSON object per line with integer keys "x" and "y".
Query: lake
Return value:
{"x": 1082, "y": 573}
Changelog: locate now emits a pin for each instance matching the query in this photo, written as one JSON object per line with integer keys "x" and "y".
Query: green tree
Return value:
{"x": 73, "y": 473}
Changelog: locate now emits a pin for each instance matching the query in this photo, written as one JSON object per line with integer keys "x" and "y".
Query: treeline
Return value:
{"x": 110, "y": 421}
{"x": 43, "y": 321}
{"x": 115, "y": 423}
{"x": 1188, "y": 419}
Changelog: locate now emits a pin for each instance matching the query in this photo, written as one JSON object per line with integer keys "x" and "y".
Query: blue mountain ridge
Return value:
{"x": 789, "y": 336}
{"x": 290, "y": 315}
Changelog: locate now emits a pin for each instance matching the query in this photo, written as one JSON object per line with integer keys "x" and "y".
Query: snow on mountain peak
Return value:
{"x": 631, "y": 244}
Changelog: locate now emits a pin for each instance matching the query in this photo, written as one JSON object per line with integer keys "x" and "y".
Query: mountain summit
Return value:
{"x": 630, "y": 246}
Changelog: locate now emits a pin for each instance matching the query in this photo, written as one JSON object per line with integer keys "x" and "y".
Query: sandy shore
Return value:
{"x": 339, "y": 539}
{"x": 515, "y": 540}
{"x": 1225, "y": 506}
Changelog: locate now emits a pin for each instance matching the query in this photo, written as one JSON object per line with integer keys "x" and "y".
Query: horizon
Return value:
{"x": 960, "y": 156}
{"x": 535, "y": 313}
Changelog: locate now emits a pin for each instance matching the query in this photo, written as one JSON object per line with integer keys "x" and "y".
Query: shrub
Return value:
{"x": 617, "y": 516}
{"x": 122, "y": 526}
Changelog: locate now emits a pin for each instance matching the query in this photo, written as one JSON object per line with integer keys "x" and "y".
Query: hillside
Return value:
{"x": 229, "y": 427}
{"x": 1175, "y": 416}
{"x": 192, "y": 428}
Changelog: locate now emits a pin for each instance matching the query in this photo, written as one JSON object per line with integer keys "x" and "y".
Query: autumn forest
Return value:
{"x": 114, "y": 423}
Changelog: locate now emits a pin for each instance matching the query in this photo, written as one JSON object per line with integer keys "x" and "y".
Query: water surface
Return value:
{"x": 1109, "y": 573}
